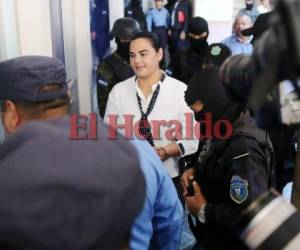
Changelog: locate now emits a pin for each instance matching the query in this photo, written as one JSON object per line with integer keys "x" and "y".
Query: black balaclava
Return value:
{"x": 197, "y": 26}
{"x": 249, "y": 6}
{"x": 199, "y": 45}
{"x": 123, "y": 49}
{"x": 136, "y": 2}
{"x": 207, "y": 87}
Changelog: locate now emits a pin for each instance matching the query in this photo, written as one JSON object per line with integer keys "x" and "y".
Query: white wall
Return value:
{"x": 77, "y": 44}
{"x": 116, "y": 10}
{"x": 33, "y": 21}
{"x": 8, "y": 30}
{"x": 219, "y": 15}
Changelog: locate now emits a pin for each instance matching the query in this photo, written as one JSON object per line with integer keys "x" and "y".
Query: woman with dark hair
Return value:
{"x": 152, "y": 97}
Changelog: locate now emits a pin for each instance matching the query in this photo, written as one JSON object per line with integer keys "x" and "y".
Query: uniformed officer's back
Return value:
{"x": 233, "y": 167}
{"x": 62, "y": 194}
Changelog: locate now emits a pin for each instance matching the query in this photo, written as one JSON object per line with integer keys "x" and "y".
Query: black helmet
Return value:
{"x": 125, "y": 27}
{"x": 136, "y": 2}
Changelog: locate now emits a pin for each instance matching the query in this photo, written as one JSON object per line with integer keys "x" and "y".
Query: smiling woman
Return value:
{"x": 145, "y": 55}
{"x": 152, "y": 95}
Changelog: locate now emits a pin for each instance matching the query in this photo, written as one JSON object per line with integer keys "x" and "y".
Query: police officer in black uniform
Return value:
{"x": 135, "y": 11}
{"x": 100, "y": 28}
{"x": 115, "y": 67}
{"x": 231, "y": 169}
{"x": 185, "y": 63}
{"x": 179, "y": 25}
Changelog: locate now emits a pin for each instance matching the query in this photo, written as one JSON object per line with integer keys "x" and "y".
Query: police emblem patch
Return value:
{"x": 238, "y": 189}
{"x": 215, "y": 51}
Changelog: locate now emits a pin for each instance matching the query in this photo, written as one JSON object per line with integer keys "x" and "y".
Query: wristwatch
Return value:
{"x": 201, "y": 214}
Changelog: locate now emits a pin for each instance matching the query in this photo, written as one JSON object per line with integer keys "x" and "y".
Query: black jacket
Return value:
{"x": 246, "y": 157}
{"x": 185, "y": 63}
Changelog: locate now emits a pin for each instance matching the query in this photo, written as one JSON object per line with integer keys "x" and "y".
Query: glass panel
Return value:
{"x": 59, "y": 49}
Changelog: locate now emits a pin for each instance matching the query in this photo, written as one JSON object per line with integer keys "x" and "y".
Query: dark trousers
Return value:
{"x": 162, "y": 35}
{"x": 176, "y": 43}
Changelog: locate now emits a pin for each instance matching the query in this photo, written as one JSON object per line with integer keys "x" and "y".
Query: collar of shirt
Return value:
{"x": 140, "y": 93}
{"x": 241, "y": 41}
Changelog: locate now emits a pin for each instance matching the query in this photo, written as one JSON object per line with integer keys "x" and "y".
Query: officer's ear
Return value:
{"x": 10, "y": 117}
{"x": 160, "y": 54}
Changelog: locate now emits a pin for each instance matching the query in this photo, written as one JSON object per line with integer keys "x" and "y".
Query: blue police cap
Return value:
{"x": 59, "y": 194}
{"x": 21, "y": 78}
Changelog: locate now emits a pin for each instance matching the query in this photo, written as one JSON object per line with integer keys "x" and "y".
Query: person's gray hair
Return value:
{"x": 243, "y": 15}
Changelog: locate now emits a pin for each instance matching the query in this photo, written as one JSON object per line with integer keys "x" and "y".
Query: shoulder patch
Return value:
{"x": 102, "y": 82}
{"x": 215, "y": 51}
{"x": 238, "y": 189}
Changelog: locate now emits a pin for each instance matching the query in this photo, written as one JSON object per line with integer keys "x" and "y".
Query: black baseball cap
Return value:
{"x": 21, "y": 78}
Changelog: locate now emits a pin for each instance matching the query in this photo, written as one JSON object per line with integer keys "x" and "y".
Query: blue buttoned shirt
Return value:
{"x": 238, "y": 47}
{"x": 158, "y": 18}
{"x": 161, "y": 218}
